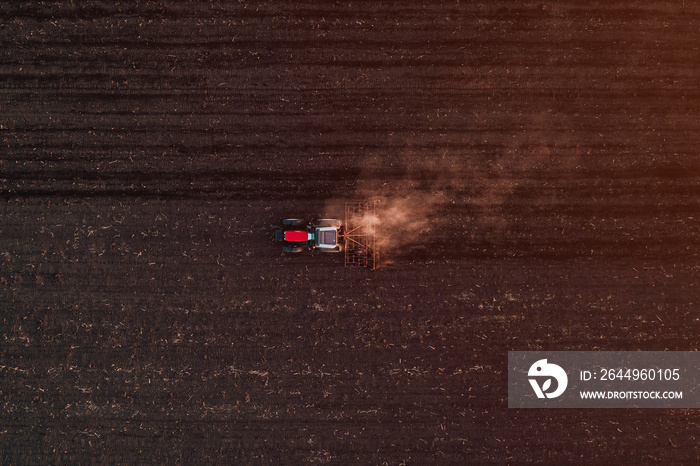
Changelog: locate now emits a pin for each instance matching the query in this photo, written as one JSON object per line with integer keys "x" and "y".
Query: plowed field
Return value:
{"x": 538, "y": 173}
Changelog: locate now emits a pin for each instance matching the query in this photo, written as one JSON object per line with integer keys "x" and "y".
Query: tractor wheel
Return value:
{"x": 327, "y": 250}
{"x": 295, "y": 222}
{"x": 292, "y": 248}
{"x": 326, "y": 222}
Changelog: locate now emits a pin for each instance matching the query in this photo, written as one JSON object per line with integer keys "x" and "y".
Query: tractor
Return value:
{"x": 322, "y": 235}
{"x": 356, "y": 235}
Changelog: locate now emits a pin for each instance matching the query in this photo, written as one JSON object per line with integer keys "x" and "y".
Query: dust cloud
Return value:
{"x": 425, "y": 200}
{"x": 401, "y": 221}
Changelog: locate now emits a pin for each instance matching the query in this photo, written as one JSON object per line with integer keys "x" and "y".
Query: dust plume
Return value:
{"x": 478, "y": 190}
{"x": 401, "y": 221}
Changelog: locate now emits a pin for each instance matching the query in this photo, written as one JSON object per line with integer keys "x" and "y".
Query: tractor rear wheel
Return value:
{"x": 327, "y": 250}
{"x": 293, "y": 248}
{"x": 326, "y": 222}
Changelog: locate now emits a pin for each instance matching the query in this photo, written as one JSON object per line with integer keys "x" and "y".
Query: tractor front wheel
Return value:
{"x": 294, "y": 222}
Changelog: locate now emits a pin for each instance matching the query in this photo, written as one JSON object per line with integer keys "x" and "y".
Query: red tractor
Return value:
{"x": 356, "y": 235}
{"x": 323, "y": 235}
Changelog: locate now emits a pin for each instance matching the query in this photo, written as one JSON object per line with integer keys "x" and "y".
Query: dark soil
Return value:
{"x": 545, "y": 156}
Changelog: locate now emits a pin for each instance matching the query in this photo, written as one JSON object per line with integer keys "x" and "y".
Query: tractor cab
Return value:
{"x": 326, "y": 237}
